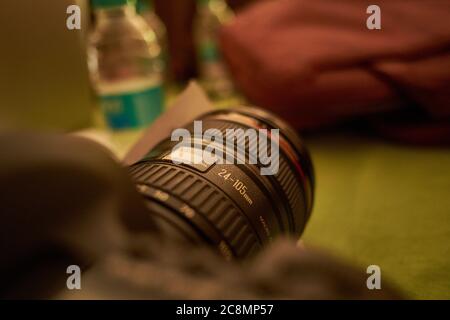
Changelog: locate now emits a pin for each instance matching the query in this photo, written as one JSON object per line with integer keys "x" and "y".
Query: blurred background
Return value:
{"x": 372, "y": 105}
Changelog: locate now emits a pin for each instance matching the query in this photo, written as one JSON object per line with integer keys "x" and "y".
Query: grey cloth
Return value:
{"x": 168, "y": 271}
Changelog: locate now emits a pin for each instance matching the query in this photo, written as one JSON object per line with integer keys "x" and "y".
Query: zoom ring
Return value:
{"x": 284, "y": 177}
{"x": 205, "y": 198}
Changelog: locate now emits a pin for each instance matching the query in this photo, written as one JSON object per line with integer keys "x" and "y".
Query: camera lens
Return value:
{"x": 245, "y": 197}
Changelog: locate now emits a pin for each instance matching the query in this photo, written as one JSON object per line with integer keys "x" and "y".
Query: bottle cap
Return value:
{"x": 203, "y": 2}
{"x": 112, "y": 3}
{"x": 144, "y": 5}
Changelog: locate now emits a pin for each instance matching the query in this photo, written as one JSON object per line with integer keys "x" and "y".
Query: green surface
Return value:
{"x": 384, "y": 204}
{"x": 377, "y": 203}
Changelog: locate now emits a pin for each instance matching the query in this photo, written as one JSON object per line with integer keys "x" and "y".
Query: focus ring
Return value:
{"x": 205, "y": 198}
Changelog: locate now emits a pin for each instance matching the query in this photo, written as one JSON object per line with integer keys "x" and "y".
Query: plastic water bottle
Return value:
{"x": 213, "y": 73}
{"x": 125, "y": 64}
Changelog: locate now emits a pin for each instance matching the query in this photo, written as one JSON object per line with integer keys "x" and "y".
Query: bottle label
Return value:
{"x": 132, "y": 109}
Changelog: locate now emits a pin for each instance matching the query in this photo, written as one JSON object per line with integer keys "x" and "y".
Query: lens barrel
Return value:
{"x": 232, "y": 207}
